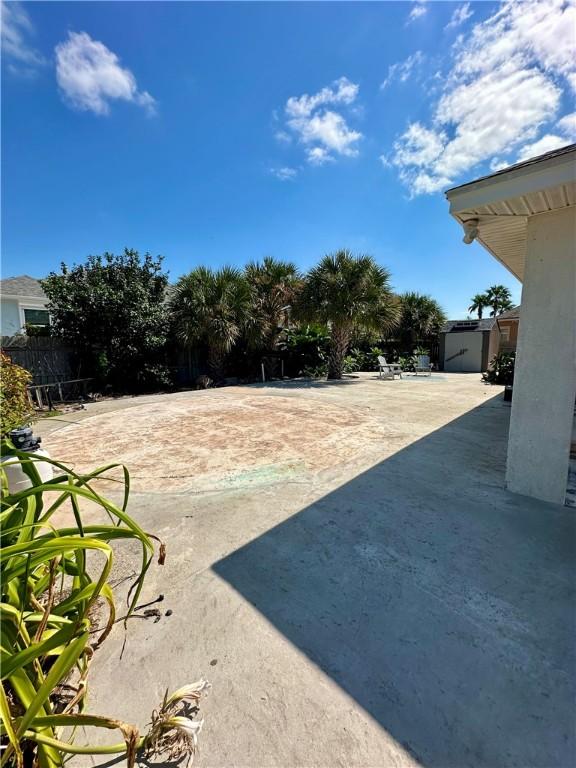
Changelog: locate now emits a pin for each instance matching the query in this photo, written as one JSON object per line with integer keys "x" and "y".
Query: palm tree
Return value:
{"x": 479, "y": 302}
{"x": 420, "y": 320}
{"x": 499, "y": 298}
{"x": 274, "y": 285}
{"x": 345, "y": 292}
{"x": 211, "y": 307}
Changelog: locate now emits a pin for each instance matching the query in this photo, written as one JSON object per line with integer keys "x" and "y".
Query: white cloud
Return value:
{"x": 90, "y": 76}
{"x": 318, "y": 156}
{"x": 460, "y": 15}
{"x": 418, "y": 10}
{"x": 341, "y": 92}
{"x": 283, "y": 137}
{"x": 566, "y": 134}
{"x": 493, "y": 114}
{"x": 505, "y": 84}
{"x": 285, "y": 173}
{"x": 324, "y": 131}
{"x": 532, "y": 30}
{"x": 545, "y": 144}
{"x": 568, "y": 126}
{"x": 329, "y": 130}
{"x": 497, "y": 164}
{"x": 16, "y": 29}
{"x": 402, "y": 70}
{"x": 418, "y": 146}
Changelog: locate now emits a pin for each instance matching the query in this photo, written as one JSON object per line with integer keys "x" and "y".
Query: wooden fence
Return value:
{"x": 48, "y": 360}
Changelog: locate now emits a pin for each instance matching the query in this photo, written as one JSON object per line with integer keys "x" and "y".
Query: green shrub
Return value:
{"x": 305, "y": 349}
{"x": 362, "y": 360}
{"x": 501, "y": 369}
{"x": 37, "y": 330}
{"x": 51, "y": 580}
{"x": 15, "y": 408}
{"x": 315, "y": 372}
{"x": 408, "y": 362}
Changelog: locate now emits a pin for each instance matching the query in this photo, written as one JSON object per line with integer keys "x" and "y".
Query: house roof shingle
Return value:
{"x": 23, "y": 285}
{"x": 511, "y": 314}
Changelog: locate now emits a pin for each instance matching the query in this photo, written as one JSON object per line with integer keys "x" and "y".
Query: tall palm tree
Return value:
{"x": 420, "y": 320}
{"x": 274, "y": 285}
{"x": 211, "y": 307}
{"x": 499, "y": 298}
{"x": 345, "y": 292}
{"x": 479, "y": 302}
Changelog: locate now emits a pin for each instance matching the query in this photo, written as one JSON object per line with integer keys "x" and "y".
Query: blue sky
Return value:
{"x": 221, "y": 132}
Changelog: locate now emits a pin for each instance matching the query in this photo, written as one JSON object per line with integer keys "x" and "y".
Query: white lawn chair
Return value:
{"x": 388, "y": 370}
{"x": 423, "y": 365}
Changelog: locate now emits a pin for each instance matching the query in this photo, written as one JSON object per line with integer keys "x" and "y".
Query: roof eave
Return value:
{"x": 22, "y": 296}
{"x": 559, "y": 170}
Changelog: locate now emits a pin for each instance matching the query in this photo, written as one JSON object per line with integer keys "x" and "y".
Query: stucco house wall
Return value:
{"x": 545, "y": 376}
{"x": 9, "y": 317}
{"x": 491, "y": 347}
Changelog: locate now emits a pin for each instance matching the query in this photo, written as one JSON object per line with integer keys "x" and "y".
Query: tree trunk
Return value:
{"x": 216, "y": 363}
{"x": 339, "y": 341}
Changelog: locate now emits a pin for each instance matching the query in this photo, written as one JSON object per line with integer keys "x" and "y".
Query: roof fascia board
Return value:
{"x": 561, "y": 170}
{"x": 22, "y": 296}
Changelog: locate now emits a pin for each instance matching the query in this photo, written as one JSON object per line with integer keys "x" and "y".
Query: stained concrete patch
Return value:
{"x": 221, "y": 440}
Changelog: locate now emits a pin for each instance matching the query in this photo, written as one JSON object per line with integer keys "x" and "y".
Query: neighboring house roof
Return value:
{"x": 460, "y": 326}
{"x": 24, "y": 286}
{"x": 511, "y": 314}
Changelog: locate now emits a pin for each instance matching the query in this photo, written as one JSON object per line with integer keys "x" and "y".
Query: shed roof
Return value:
{"x": 461, "y": 326}
{"x": 24, "y": 285}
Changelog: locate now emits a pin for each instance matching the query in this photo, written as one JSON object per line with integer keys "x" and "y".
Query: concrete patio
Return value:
{"x": 346, "y": 568}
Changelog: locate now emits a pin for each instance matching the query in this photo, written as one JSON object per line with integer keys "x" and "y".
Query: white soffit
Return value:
{"x": 503, "y": 202}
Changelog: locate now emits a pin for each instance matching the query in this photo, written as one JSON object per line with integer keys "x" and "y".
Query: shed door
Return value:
{"x": 463, "y": 352}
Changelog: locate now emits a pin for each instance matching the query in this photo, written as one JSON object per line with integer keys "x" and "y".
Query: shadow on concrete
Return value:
{"x": 307, "y": 383}
{"x": 443, "y": 604}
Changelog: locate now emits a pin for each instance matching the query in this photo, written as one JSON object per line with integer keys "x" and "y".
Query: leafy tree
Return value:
{"x": 345, "y": 292}
{"x": 212, "y": 307}
{"x": 112, "y": 309}
{"x": 420, "y": 319}
{"x": 478, "y": 304}
{"x": 274, "y": 285}
{"x": 499, "y": 298}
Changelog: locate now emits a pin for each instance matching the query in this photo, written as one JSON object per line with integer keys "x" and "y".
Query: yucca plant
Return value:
{"x": 51, "y": 580}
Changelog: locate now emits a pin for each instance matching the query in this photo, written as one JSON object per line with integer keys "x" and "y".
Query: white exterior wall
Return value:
{"x": 9, "y": 317}
{"x": 545, "y": 377}
{"x": 471, "y": 360}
